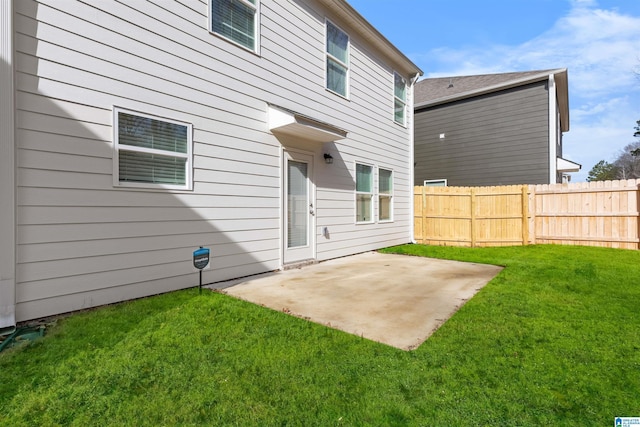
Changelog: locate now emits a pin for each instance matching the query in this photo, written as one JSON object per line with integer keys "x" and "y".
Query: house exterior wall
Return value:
{"x": 81, "y": 242}
{"x": 500, "y": 138}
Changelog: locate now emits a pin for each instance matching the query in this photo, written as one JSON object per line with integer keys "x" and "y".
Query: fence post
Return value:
{"x": 423, "y": 214}
{"x": 525, "y": 216}
{"x": 472, "y": 194}
{"x": 533, "y": 233}
{"x": 638, "y": 211}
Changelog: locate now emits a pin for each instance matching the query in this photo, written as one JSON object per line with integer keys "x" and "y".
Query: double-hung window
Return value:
{"x": 399, "y": 99}
{"x": 151, "y": 152}
{"x": 385, "y": 195}
{"x": 364, "y": 193}
{"x": 235, "y": 20}
{"x": 337, "y": 60}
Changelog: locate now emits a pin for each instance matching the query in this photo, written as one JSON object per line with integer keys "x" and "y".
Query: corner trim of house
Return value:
{"x": 553, "y": 130}
{"x": 412, "y": 156}
{"x": 7, "y": 170}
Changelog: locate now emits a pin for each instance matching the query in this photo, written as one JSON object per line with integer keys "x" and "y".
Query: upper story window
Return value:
{"x": 364, "y": 193}
{"x": 236, "y": 20}
{"x": 151, "y": 152}
{"x": 400, "y": 99}
{"x": 337, "y": 60}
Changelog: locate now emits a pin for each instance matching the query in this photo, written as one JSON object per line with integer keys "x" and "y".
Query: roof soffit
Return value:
{"x": 564, "y": 165}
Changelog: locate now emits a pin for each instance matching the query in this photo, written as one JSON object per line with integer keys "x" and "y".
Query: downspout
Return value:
{"x": 553, "y": 131}
{"x": 412, "y": 159}
{"x": 7, "y": 172}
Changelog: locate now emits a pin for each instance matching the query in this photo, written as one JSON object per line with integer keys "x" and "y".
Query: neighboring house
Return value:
{"x": 273, "y": 132}
{"x": 495, "y": 129}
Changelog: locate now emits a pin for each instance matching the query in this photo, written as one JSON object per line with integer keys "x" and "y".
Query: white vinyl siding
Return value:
{"x": 364, "y": 193}
{"x": 385, "y": 195}
{"x": 399, "y": 99}
{"x": 337, "y": 60}
{"x": 81, "y": 242}
{"x": 151, "y": 152}
{"x": 235, "y": 20}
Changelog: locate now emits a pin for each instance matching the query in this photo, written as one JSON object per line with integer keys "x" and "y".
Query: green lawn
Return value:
{"x": 553, "y": 340}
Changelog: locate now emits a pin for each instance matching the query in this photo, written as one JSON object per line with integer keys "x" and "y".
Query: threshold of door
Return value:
{"x": 299, "y": 264}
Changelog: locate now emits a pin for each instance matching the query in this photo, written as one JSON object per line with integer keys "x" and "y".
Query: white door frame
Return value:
{"x": 307, "y": 252}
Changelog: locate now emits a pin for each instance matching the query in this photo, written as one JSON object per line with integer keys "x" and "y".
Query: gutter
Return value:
{"x": 553, "y": 131}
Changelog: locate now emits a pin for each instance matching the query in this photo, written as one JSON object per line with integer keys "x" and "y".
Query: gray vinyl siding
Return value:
{"x": 82, "y": 243}
{"x": 494, "y": 139}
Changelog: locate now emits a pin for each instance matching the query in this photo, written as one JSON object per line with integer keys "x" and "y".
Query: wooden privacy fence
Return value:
{"x": 603, "y": 213}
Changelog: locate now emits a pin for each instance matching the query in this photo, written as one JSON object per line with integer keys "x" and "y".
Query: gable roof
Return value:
{"x": 442, "y": 90}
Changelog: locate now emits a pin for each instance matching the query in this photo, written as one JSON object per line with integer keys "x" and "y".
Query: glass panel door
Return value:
{"x": 297, "y": 204}
{"x": 298, "y": 201}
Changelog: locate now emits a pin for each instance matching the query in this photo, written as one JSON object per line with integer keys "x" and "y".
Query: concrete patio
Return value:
{"x": 397, "y": 300}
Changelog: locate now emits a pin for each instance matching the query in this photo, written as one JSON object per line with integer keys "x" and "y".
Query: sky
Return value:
{"x": 598, "y": 41}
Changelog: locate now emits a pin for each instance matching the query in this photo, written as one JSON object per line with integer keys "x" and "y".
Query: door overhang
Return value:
{"x": 287, "y": 122}
{"x": 564, "y": 165}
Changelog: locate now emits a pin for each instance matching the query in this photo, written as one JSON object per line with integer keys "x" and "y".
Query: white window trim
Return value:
{"x": 404, "y": 101}
{"x": 432, "y": 181}
{"x": 372, "y": 193}
{"x": 116, "y": 150}
{"x": 256, "y": 29}
{"x": 390, "y": 195}
{"x": 327, "y": 55}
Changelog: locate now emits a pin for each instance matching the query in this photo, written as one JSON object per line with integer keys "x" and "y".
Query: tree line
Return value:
{"x": 626, "y": 166}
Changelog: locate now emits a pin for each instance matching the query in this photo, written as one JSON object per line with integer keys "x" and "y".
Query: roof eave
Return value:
{"x": 356, "y": 21}
{"x": 561, "y": 78}
{"x": 562, "y": 81}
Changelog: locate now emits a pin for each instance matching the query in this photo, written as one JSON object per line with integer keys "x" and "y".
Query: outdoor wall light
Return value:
{"x": 328, "y": 158}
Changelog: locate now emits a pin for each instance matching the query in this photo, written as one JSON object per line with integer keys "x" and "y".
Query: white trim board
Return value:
{"x": 7, "y": 170}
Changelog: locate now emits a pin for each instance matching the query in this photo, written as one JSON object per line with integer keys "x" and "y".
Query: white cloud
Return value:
{"x": 599, "y": 131}
{"x": 583, "y": 3}
{"x": 600, "y": 48}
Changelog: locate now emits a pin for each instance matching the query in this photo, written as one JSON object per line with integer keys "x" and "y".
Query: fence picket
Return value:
{"x": 594, "y": 214}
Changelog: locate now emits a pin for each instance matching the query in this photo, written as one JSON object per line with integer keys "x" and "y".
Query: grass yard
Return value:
{"x": 554, "y": 339}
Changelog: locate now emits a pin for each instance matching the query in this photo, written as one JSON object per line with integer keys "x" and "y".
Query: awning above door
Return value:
{"x": 564, "y": 165}
{"x": 287, "y": 122}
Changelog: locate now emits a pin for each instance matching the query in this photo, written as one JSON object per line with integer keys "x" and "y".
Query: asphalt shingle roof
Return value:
{"x": 427, "y": 90}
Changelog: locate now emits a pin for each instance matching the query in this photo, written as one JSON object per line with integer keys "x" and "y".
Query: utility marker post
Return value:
{"x": 200, "y": 261}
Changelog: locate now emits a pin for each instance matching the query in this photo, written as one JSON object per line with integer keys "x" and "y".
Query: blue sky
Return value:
{"x": 598, "y": 41}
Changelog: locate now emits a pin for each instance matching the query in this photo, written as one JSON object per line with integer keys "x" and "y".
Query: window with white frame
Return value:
{"x": 435, "y": 182}
{"x": 399, "y": 99}
{"x": 385, "y": 195}
{"x": 151, "y": 152}
{"x": 235, "y": 20}
{"x": 364, "y": 193}
{"x": 337, "y": 60}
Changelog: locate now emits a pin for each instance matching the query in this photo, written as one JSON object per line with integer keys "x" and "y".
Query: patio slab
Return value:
{"x": 397, "y": 300}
